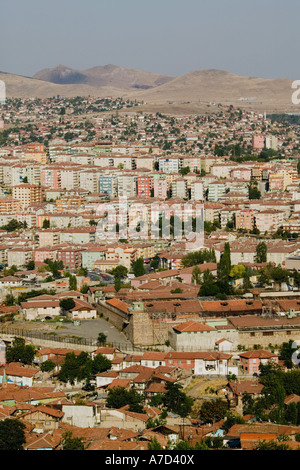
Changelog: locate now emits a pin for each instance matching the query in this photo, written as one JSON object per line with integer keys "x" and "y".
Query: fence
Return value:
{"x": 69, "y": 342}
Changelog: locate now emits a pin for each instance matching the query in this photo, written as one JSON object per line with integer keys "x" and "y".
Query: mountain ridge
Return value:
{"x": 203, "y": 85}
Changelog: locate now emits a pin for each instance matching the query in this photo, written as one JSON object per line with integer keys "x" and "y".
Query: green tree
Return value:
{"x": 196, "y": 275}
{"x": 100, "y": 364}
{"x": 261, "y": 252}
{"x": 72, "y": 443}
{"x": 72, "y": 282}
{"x": 213, "y": 410}
{"x": 118, "y": 397}
{"x": 30, "y": 265}
{"x": 67, "y": 304}
{"x": 153, "y": 444}
{"x": 209, "y": 285}
{"x": 120, "y": 271}
{"x": 176, "y": 400}
{"x": 46, "y": 223}
{"x": 224, "y": 265}
{"x": 20, "y": 352}
{"x": 272, "y": 445}
{"x": 101, "y": 338}
{"x": 9, "y": 300}
{"x": 117, "y": 284}
{"x": 138, "y": 267}
{"x": 12, "y": 435}
{"x": 47, "y": 366}
{"x": 75, "y": 368}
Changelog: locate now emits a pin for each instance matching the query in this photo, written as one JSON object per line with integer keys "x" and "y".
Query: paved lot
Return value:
{"x": 91, "y": 328}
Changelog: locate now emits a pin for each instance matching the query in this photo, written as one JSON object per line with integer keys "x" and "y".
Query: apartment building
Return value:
{"x": 144, "y": 186}
{"x": 245, "y": 219}
{"x": 9, "y": 205}
{"x": 28, "y": 194}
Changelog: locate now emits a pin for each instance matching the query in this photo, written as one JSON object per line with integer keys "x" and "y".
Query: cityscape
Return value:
{"x": 149, "y": 263}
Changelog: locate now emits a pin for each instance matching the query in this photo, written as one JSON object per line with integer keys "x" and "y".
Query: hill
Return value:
{"x": 102, "y": 76}
{"x": 185, "y": 92}
{"x": 221, "y": 87}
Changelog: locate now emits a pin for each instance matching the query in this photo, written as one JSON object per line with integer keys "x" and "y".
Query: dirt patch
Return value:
{"x": 203, "y": 386}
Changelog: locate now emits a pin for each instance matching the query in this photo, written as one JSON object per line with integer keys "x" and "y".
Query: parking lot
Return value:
{"x": 90, "y": 329}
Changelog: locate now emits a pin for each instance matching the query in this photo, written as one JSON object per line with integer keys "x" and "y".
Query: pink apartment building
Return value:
{"x": 258, "y": 142}
{"x": 269, "y": 220}
{"x": 160, "y": 189}
{"x": 245, "y": 219}
{"x": 51, "y": 177}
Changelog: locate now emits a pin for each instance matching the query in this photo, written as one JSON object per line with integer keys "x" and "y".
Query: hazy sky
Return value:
{"x": 174, "y": 37}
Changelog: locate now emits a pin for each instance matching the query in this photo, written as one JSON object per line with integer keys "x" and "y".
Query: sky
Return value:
{"x": 173, "y": 37}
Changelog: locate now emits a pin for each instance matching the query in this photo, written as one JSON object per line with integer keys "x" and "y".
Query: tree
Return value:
{"x": 272, "y": 445}
{"x": 84, "y": 289}
{"x": 9, "y": 300}
{"x": 72, "y": 282}
{"x": 209, "y": 286}
{"x": 100, "y": 364}
{"x": 46, "y": 223}
{"x": 120, "y": 271}
{"x": 176, "y": 400}
{"x": 76, "y": 368}
{"x": 101, "y": 338}
{"x": 47, "y": 366}
{"x": 118, "y": 397}
{"x": 153, "y": 444}
{"x": 12, "y": 225}
{"x": 20, "y": 352}
{"x": 72, "y": 443}
{"x": 253, "y": 192}
{"x": 198, "y": 257}
{"x": 224, "y": 265}
{"x": 30, "y": 265}
{"x": 261, "y": 252}
{"x": 67, "y": 304}
{"x": 55, "y": 267}
{"x": 117, "y": 284}
{"x": 138, "y": 267}
{"x": 213, "y": 410}
{"x": 196, "y": 275}
{"x": 12, "y": 435}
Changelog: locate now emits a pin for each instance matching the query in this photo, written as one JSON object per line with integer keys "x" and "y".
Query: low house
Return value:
{"x": 251, "y": 360}
{"x": 153, "y": 359}
{"x": 18, "y": 373}
{"x": 40, "y": 307}
{"x": 202, "y": 363}
{"x": 24, "y": 397}
{"x": 223, "y": 345}
{"x": 109, "y": 353}
{"x": 105, "y": 378}
{"x": 46, "y": 441}
{"x": 83, "y": 416}
{"x": 249, "y": 436}
{"x": 235, "y": 392}
{"x": 10, "y": 281}
{"x": 124, "y": 419}
{"x": 82, "y": 311}
{"x": 43, "y": 418}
